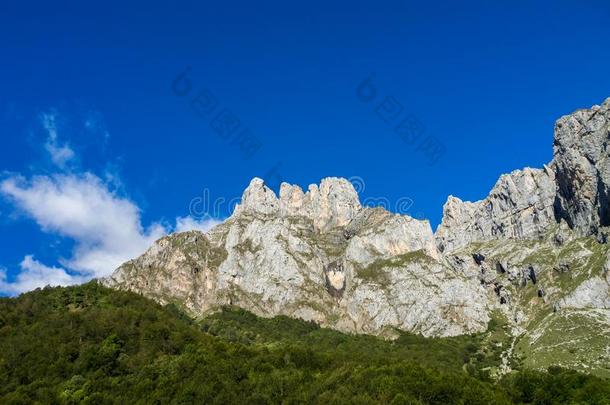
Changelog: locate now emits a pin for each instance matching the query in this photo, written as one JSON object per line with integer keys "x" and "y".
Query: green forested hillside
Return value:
{"x": 89, "y": 344}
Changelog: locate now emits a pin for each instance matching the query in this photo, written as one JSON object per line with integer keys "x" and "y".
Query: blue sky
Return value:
{"x": 103, "y": 150}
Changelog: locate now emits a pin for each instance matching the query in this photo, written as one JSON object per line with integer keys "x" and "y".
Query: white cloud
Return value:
{"x": 33, "y": 275}
{"x": 184, "y": 224}
{"x": 106, "y": 228}
{"x": 60, "y": 154}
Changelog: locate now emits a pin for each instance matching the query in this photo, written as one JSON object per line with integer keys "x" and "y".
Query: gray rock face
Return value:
{"x": 258, "y": 198}
{"x": 378, "y": 234}
{"x": 319, "y": 255}
{"x": 574, "y": 187}
{"x": 519, "y": 206}
{"x": 592, "y": 293}
{"x": 582, "y": 166}
{"x": 179, "y": 268}
{"x": 333, "y": 204}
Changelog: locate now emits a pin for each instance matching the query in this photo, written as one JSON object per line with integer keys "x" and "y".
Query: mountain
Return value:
{"x": 92, "y": 345}
{"x": 533, "y": 253}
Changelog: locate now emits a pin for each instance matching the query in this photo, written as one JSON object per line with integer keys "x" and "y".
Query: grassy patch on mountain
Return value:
{"x": 576, "y": 339}
{"x": 88, "y": 344}
{"x": 246, "y": 246}
{"x": 377, "y": 272}
{"x": 571, "y": 338}
{"x": 374, "y": 274}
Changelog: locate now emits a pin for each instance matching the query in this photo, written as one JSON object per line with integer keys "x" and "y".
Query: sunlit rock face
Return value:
{"x": 317, "y": 255}
{"x": 574, "y": 187}
{"x": 534, "y": 246}
{"x": 519, "y": 206}
{"x": 582, "y": 166}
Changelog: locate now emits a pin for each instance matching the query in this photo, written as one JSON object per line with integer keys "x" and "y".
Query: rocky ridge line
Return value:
{"x": 573, "y": 187}
{"x": 524, "y": 251}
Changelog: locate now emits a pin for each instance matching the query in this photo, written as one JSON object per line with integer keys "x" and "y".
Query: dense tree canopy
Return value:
{"x": 89, "y": 344}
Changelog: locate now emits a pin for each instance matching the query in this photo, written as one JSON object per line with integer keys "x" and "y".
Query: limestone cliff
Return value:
{"x": 319, "y": 256}
{"x": 582, "y": 168}
{"x": 574, "y": 187}
{"x": 534, "y": 252}
{"x": 519, "y": 206}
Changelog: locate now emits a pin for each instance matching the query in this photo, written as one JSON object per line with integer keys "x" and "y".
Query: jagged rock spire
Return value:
{"x": 334, "y": 203}
{"x": 257, "y": 197}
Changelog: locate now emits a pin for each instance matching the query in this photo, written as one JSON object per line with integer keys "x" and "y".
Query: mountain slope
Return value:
{"x": 534, "y": 251}
{"x": 90, "y": 344}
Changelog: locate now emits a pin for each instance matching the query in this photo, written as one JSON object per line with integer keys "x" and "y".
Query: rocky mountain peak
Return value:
{"x": 333, "y": 203}
{"x": 530, "y": 249}
{"x": 582, "y": 165}
{"x": 574, "y": 186}
{"x": 257, "y": 197}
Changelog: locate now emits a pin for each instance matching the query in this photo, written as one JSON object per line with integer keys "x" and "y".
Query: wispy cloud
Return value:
{"x": 106, "y": 227}
{"x": 60, "y": 154}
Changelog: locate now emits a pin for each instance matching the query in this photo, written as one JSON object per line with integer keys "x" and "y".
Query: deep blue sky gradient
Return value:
{"x": 487, "y": 79}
